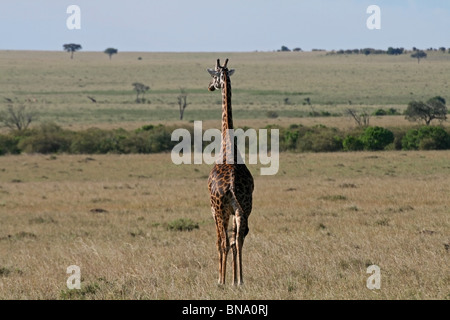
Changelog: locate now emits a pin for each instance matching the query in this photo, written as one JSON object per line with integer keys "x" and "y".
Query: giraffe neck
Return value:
{"x": 227, "y": 119}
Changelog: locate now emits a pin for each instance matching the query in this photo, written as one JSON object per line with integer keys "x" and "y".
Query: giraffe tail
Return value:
{"x": 237, "y": 207}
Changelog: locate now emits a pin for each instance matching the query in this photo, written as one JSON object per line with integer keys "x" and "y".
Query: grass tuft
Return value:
{"x": 182, "y": 225}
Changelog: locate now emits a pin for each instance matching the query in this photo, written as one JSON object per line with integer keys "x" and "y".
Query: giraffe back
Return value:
{"x": 228, "y": 183}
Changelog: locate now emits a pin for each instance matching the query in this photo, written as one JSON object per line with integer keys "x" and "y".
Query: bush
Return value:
{"x": 399, "y": 133}
{"x": 383, "y": 112}
{"x": 426, "y": 138}
{"x": 392, "y": 111}
{"x": 48, "y": 138}
{"x": 376, "y": 138}
{"x": 290, "y": 139}
{"x": 138, "y": 142}
{"x": 160, "y": 139}
{"x": 8, "y": 144}
{"x": 272, "y": 114}
{"x": 351, "y": 143}
{"x": 146, "y": 127}
{"x": 320, "y": 139}
{"x": 380, "y": 112}
{"x": 94, "y": 140}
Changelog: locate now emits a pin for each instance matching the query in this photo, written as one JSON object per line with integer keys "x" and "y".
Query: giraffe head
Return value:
{"x": 219, "y": 74}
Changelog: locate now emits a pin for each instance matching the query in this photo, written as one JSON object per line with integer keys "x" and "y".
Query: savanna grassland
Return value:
{"x": 315, "y": 227}
{"x": 58, "y": 87}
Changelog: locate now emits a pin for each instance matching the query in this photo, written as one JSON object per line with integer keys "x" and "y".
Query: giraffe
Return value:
{"x": 230, "y": 184}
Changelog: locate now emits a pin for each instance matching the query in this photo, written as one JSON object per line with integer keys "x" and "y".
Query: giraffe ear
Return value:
{"x": 212, "y": 72}
{"x": 230, "y": 72}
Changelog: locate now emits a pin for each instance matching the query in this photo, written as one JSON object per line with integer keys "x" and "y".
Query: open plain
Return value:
{"x": 140, "y": 227}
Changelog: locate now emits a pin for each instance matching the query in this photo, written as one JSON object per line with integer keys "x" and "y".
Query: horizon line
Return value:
{"x": 231, "y": 51}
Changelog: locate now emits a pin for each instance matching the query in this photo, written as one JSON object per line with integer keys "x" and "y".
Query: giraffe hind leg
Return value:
{"x": 240, "y": 230}
{"x": 233, "y": 248}
{"x": 223, "y": 245}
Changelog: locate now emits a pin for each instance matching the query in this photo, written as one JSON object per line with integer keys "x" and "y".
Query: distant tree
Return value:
{"x": 16, "y": 118}
{"x": 419, "y": 54}
{"x": 395, "y": 51}
{"x": 297, "y": 49}
{"x": 361, "y": 118}
{"x": 442, "y": 49}
{"x": 367, "y": 51}
{"x": 110, "y": 52}
{"x": 140, "y": 88}
{"x": 182, "y": 102}
{"x": 284, "y": 48}
{"x": 434, "y": 108}
{"x": 72, "y": 47}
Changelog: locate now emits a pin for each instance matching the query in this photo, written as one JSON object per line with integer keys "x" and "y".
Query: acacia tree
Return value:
{"x": 71, "y": 47}
{"x": 434, "y": 108}
{"x": 182, "y": 102}
{"x": 140, "y": 88}
{"x": 419, "y": 54}
{"x": 361, "y": 118}
{"x": 110, "y": 52}
{"x": 16, "y": 118}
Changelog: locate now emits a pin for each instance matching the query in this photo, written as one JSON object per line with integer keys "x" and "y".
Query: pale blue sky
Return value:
{"x": 231, "y": 25}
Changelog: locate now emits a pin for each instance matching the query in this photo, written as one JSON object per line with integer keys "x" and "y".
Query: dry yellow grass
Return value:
{"x": 342, "y": 123}
{"x": 315, "y": 228}
{"x": 58, "y": 87}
